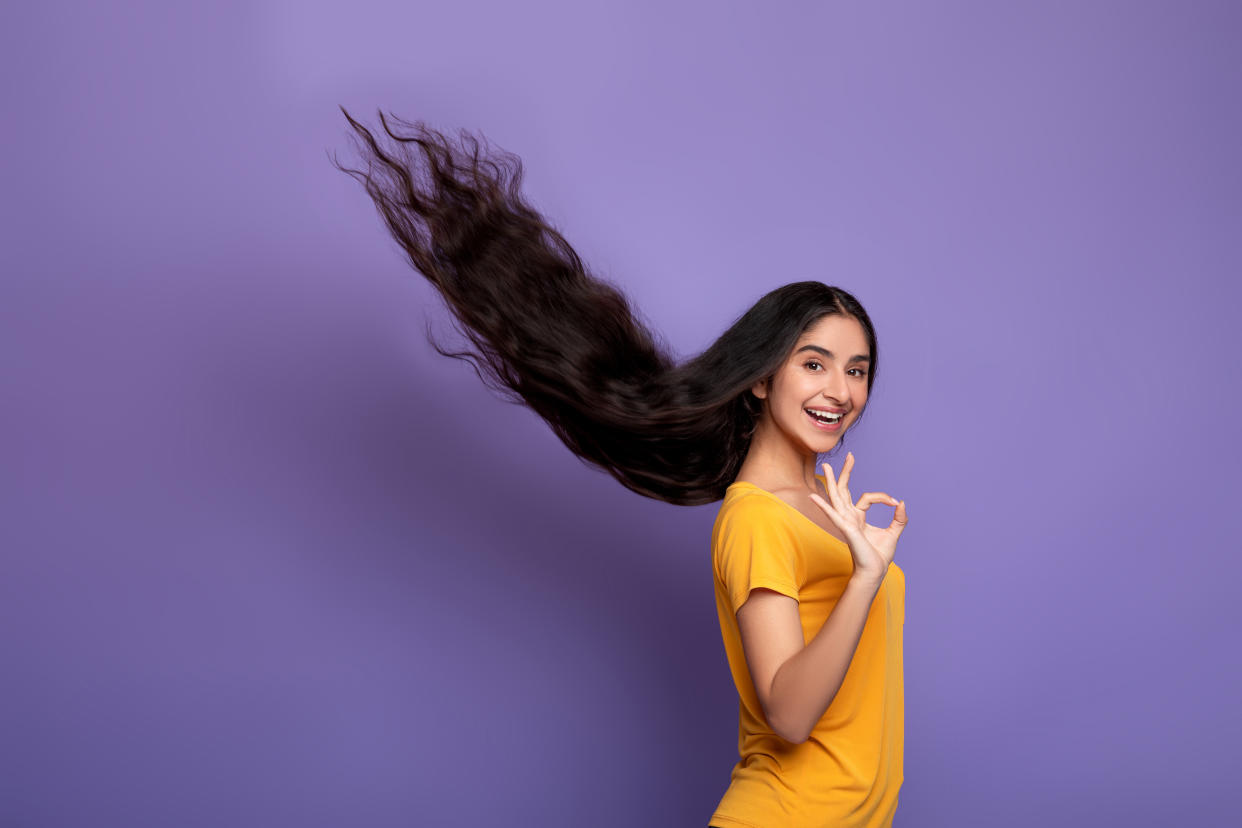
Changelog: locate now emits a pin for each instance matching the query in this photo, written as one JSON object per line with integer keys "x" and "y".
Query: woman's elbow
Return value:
{"x": 796, "y": 738}
{"x": 792, "y": 733}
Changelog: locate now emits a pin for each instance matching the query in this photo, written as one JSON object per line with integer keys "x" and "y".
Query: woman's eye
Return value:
{"x": 858, "y": 372}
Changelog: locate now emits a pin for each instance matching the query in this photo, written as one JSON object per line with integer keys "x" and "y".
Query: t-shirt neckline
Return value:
{"x": 791, "y": 507}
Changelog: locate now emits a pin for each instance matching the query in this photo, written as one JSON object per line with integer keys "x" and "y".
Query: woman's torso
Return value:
{"x": 849, "y": 771}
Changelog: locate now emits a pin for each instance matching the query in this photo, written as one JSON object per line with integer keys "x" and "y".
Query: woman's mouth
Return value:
{"x": 825, "y": 420}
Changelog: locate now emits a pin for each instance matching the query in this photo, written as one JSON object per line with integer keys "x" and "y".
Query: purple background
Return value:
{"x": 270, "y": 560}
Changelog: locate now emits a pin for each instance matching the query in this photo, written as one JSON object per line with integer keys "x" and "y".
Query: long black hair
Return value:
{"x": 550, "y": 335}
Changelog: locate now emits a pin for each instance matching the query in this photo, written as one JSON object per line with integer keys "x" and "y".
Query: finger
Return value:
{"x": 844, "y": 482}
{"x": 831, "y": 487}
{"x": 900, "y": 519}
{"x": 832, "y": 513}
{"x": 875, "y": 497}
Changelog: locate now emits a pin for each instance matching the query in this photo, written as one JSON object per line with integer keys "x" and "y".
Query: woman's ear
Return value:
{"x": 760, "y": 389}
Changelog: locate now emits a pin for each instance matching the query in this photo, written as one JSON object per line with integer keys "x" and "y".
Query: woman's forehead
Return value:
{"x": 840, "y": 329}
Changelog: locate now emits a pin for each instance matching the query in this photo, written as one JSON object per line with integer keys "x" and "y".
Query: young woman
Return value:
{"x": 811, "y": 605}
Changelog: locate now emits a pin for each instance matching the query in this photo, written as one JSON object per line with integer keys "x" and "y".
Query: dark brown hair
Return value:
{"x": 550, "y": 335}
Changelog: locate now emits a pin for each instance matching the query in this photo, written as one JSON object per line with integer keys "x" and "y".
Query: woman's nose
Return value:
{"x": 835, "y": 387}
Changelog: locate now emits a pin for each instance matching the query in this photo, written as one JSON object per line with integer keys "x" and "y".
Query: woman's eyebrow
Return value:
{"x": 828, "y": 353}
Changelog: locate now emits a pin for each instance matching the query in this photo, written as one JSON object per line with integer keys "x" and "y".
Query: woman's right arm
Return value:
{"x": 797, "y": 682}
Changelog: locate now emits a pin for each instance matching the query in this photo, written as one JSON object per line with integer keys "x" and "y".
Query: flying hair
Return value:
{"x": 548, "y": 334}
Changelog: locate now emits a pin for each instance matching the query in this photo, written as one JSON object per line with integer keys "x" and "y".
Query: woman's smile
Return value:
{"x": 824, "y": 420}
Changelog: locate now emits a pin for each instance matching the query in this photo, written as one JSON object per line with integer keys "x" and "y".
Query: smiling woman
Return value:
{"x": 831, "y": 393}
{"x": 810, "y": 602}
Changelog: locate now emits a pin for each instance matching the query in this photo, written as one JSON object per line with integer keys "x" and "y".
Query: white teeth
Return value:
{"x": 824, "y": 416}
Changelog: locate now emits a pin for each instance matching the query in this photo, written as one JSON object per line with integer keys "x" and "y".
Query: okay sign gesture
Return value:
{"x": 873, "y": 547}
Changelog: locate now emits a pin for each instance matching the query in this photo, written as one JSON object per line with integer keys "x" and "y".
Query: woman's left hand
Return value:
{"x": 873, "y": 547}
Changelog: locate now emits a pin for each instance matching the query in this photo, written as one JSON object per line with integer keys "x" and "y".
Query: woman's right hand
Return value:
{"x": 873, "y": 547}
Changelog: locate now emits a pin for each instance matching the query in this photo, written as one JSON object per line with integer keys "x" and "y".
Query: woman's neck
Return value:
{"x": 775, "y": 462}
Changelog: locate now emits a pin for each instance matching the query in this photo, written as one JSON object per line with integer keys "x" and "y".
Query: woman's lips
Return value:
{"x": 824, "y": 426}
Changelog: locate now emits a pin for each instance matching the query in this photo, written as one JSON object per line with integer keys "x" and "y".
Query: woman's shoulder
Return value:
{"x": 744, "y": 502}
{"x": 743, "y": 491}
{"x": 753, "y": 494}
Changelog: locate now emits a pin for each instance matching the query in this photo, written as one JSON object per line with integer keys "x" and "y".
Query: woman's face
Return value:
{"x": 826, "y": 373}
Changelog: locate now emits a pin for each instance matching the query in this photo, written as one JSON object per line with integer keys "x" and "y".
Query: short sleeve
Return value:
{"x": 756, "y": 547}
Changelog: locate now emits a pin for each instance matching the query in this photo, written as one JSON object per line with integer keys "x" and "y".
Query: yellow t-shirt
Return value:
{"x": 848, "y": 773}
